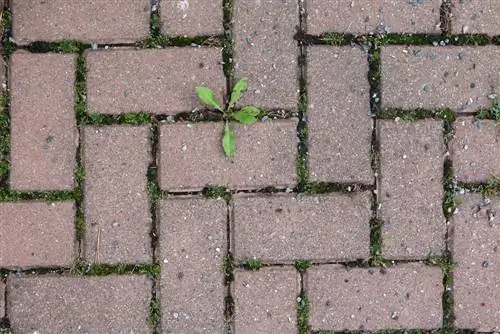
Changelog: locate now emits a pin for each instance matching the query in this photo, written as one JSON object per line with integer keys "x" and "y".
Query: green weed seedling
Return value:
{"x": 246, "y": 115}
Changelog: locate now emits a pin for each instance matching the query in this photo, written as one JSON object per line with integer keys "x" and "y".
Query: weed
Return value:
{"x": 303, "y": 314}
{"x": 253, "y": 264}
{"x": 66, "y": 46}
{"x": 376, "y": 242}
{"x": 96, "y": 269}
{"x": 154, "y": 312}
{"x": 216, "y": 192}
{"x": 302, "y": 265}
{"x": 447, "y": 266}
{"x": 492, "y": 113}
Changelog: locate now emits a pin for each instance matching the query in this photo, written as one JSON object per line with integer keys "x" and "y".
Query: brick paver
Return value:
{"x": 192, "y": 245}
{"x": 340, "y": 126}
{"x": 460, "y": 78}
{"x": 44, "y": 135}
{"x": 402, "y": 296}
{"x": 160, "y": 81}
{"x": 87, "y": 21}
{"x": 410, "y": 190}
{"x": 192, "y": 18}
{"x": 368, "y": 16}
{"x": 266, "y": 52}
{"x": 476, "y": 17}
{"x": 116, "y": 202}
{"x": 191, "y": 156}
{"x": 58, "y": 304}
{"x": 37, "y": 234}
{"x": 474, "y": 149}
{"x": 476, "y": 249}
{"x": 265, "y": 301}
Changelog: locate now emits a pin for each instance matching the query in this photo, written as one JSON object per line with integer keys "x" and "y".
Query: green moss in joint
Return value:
{"x": 333, "y": 38}
{"x": 449, "y": 189}
{"x": 216, "y": 192}
{"x": 302, "y": 265}
{"x": 97, "y": 269}
{"x": 303, "y": 314}
{"x": 417, "y": 114}
{"x": 447, "y": 266}
{"x": 228, "y": 267}
{"x": 253, "y": 264}
{"x": 66, "y": 46}
{"x": 154, "y": 312}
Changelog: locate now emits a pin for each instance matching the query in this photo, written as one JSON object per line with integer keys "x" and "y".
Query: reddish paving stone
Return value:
{"x": 37, "y": 234}
{"x": 399, "y": 297}
{"x": 43, "y": 125}
{"x": 192, "y": 244}
{"x": 116, "y": 200}
{"x": 265, "y": 301}
{"x": 410, "y": 188}
{"x": 191, "y": 156}
{"x": 285, "y": 228}
{"x": 58, "y": 20}
{"x": 59, "y": 304}
{"x": 476, "y": 17}
{"x": 266, "y": 53}
{"x": 192, "y": 18}
{"x": 475, "y": 149}
{"x": 369, "y": 16}
{"x": 476, "y": 249}
{"x": 460, "y": 78}
{"x": 160, "y": 81}
{"x": 340, "y": 126}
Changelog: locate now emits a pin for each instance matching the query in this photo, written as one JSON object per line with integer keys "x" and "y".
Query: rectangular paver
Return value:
{"x": 43, "y": 126}
{"x": 58, "y": 304}
{"x": 475, "y": 149}
{"x": 116, "y": 203}
{"x": 266, "y": 52}
{"x": 476, "y": 249}
{"x": 192, "y": 18}
{"x": 192, "y": 245}
{"x": 86, "y": 21}
{"x": 265, "y": 301}
{"x": 476, "y": 17}
{"x": 37, "y": 234}
{"x": 399, "y": 297}
{"x": 191, "y": 156}
{"x": 456, "y": 77}
{"x": 410, "y": 189}
{"x": 285, "y": 228}
{"x": 160, "y": 81}
{"x": 339, "y": 122}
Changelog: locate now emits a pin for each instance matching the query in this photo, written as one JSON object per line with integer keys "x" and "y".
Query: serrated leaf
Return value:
{"x": 228, "y": 141}
{"x": 246, "y": 115}
{"x": 238, "y": 90}
{"x": 208, "y": 97}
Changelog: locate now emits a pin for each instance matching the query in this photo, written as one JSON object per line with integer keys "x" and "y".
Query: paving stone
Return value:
{"x": 86, "y": 21}
{"x": 456, "y": 77}
{"x": 399, "y": 297}
{"x": 59, "y": 304}
{"x": 37, "y": 234}
{"x": 474, "y": 149}
{"x": 286, "y": 228}
{"x": 265, "y": 301}
{"x": 192, "y": 18}
{"x": 476, "y": 17}
{"x": 116, "y": 203}
{"x": 192, "y": 245}
{"x": 44, "y": 135}
{"x": 160, "y": 81}
{"x": 266, "y": 53}
{"x": 410, "y": 189}
{"x": 340, "y": 126}
{"x": 476, "y": 249}
{"x": 191, "y": 156}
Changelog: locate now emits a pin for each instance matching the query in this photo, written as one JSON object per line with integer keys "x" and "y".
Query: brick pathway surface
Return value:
{"x": 365, "y": 198}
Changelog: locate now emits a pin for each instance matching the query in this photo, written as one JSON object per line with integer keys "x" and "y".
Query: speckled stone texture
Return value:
{"x": 191, "y": 17}
{"x": 397, "y": 297}
{"x": 286, "y": 228}
{"x": 476, "y": 249}
{"x": 476, "y": 17}
{"x": 192, "y": 246}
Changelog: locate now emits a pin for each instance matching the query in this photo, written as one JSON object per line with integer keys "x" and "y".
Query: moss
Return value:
{"x": 216, "y": 192}
{"x": 414, "y": 115}
{"x": 413, "y": 39}
{"x": 162, "y": 41}
{"x": 447, "y": 266}
{"x": 228, "y": 268}
{"x": 66, "y": 46}
{"x": 80, "y": 90}
{"x": 154, "y": 312}
{"x": 376, "y": 242}
{"x": 253, "y": 264}
{"x": 302, "y": 265}
{"x": 470, "y": 40}
{"x": 150, "y": 270}
{"x": 4, "y": 137}
{"x": 139, "y": 118}
{"x": 333, "y": 38}
{"x": 303, "y": 314}
{"x": 7, "y": 195}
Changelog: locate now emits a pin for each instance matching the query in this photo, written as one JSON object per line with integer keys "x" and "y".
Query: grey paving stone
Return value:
{"x": 456, "y": 77}
{"x": 399, "y": 297}
{"x": 339, "y": 122}
{"x": 86, "y": 21}
{"x": 59, "y": 304}
{"x": 474, "y": 149}
{"x": 410, "y": 189}
{"x": 265, "y": 301}
{"x": 116, "y": 203}
{"x": 476, "y": 17}
{"x": 191, "y": 18}
{"x": 43, "y": 126}
{"x": 286, "y": 228}
{"x": 37, "y": 234}
{"x": 368, "y": 16}
{"x": 476, "y": 249}
{"x": 191, "y": 156}
{"x": 192, "y": 245}
{"x": 266, "y": 53}
{"x": 160, "y": 81}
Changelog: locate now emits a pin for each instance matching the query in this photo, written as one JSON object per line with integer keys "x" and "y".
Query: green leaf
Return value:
{"x": 208, "y": 97}
{"x": 238, "y": 90}
{"x": 229, "y": 141}
{"x": 246, "y": 115}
